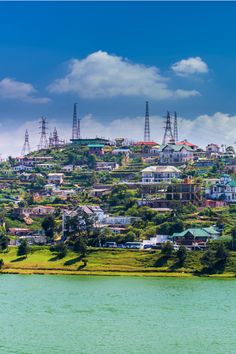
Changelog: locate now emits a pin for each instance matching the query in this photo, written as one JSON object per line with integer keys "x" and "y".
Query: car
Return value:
{"x": 120, "y": 245}
{"x": 110, "y": 245}
{"x": 147, "y": 247}
{"x": 133, "y": 245}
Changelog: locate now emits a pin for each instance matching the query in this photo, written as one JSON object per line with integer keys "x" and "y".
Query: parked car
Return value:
{"x": 110, "y": 245}
{"x": 147, "y": 247}
{"x": 120, "y": 245}
{"x": 133, "y": 245}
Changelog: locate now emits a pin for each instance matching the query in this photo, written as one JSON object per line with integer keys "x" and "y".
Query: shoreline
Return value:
{"x": 114, "y": 273}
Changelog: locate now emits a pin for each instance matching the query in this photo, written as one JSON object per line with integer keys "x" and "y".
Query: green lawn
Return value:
{"x": 105, "y": 261}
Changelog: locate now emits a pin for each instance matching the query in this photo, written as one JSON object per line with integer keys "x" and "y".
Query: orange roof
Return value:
{"x": 150, "y": 143}
{"x": 187, "y": 143}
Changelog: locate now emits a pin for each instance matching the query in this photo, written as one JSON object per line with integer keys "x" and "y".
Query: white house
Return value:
{"x": 157, "y": 174}
{"x": 224, "y": 189}
{"x": 56, "y": 178}
{"x": 174, "y": 153}
{"x": 212, "y": 149}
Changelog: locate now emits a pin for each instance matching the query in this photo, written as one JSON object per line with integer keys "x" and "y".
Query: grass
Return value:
{"x": 107, "y": 262}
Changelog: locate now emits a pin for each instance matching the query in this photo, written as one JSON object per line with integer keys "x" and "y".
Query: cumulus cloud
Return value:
{"x": 17, "y": 90}
{"x": 103, "y": 75}
{"x": 202, "y": 130}
{"x": 190, "y": 66}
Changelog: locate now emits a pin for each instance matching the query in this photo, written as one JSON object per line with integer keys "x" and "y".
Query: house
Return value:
{"x": 174, "y": 154}
{"x": 157, "y": 174}
{"x": 119, "y": 220}
{"x": 224, "y": 189}
{"x": 212, "y": 150}
{"x": 122, "y": 151}
{"x": 106, "y": 166}
{"x": 20, "y": 168}
{"x": 67, "y": 168}
{"x": 187, "y": 143}
{"x": 96, "y": 149}
{"x": 55, "y": 178}
{"x": 194, "y": 236}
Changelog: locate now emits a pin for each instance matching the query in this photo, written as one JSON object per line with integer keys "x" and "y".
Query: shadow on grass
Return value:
{"x": 73, "y": 260}
{"x": 161, "y": 261}
{"x": 19, "y": 259}
{"x": 82, "y": 266}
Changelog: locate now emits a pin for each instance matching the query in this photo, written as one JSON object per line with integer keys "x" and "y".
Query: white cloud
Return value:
{"x": 103, "y": 75}
{"x": 17, "y": 90}
{"x": 218, "y": 128}
{"x": 190, "y": 66}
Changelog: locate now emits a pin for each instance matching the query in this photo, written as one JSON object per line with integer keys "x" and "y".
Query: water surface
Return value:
{"x": 104, "y": 315}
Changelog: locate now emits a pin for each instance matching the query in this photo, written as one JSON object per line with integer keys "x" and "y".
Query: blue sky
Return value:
{"x": 134, "y": 45}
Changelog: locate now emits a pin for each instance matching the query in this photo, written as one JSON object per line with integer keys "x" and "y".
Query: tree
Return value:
{"x": 167, "y": 249}
{"x": 208, "y": 260}
{"x": 3, "y": 242}
{"x": 1, "y": 263}
{"x": 60, "y": 249}
{"x": 80, "y": 246}
{"x": 222, "y": 253}
{"x": 182, "y": 254}
{"x": 23, "y": 249}
{"x": 48, "y": 224}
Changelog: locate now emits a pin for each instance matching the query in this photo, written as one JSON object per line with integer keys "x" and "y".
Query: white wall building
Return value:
{"x": 158, "y": 174}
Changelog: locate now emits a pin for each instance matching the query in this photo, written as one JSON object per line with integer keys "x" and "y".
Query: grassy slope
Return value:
{"x": 120, "y": 262}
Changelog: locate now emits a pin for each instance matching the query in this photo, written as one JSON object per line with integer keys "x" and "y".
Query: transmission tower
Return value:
{"x": 76, "y": 124}
{"x": 147, "y": 124}
{"x": 168, "y": 136}
{"x": 176, "y": 137}
{"x": 55, "y": 137}
{"x": 43, "y": 143}
{"x": 26, "y": 146}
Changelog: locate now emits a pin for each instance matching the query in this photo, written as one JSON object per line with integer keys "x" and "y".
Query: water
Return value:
{"x": 106, "y": 315}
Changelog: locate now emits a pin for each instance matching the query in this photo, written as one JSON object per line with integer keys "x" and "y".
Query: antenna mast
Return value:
{"x": 176, "y": 137}
{"x": 147, "y": 124}
{"x": 76, "y": 124}
{"x": 168, "y": 136}
{"x": 26, "y": 146}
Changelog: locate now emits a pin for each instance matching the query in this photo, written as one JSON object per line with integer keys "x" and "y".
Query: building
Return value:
{"x": 106, "y": 166}
{"x": 174, "y": 154}
{"x": 157, "y": 174}
{"x": 96, "y": 149}
{"x": 224, "y": 189}
{"x": 89, "y": 141}
{"x": 55, "y": 178}
{"x": 195, "y": 236}
{"x": 212, "y": 150}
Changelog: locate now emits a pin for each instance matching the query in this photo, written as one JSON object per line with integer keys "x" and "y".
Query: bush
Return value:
{"x": 23, "y": 248}
{"x": 1, "y": 263}
{"x": 60, "y": 249}
{"x": 167, "y": 249}
{"x": 181, "y": 254}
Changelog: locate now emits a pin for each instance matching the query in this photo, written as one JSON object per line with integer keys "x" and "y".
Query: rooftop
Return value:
{"x": 162, "y": 169}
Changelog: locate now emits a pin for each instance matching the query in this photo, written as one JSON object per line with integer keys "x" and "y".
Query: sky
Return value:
{"x": 111, "y": 57}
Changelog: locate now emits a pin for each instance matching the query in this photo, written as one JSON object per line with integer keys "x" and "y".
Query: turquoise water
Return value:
{"x": 73, "y": 314}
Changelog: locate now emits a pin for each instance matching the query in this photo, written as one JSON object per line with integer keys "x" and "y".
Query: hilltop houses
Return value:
{"x": 171, "y": 154}
{"x": 224, "y": 189}
{"x": 158, "y": 174}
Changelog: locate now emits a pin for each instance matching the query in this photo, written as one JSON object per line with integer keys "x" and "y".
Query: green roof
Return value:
{"x": 95, "y": 146}
{"x": 197, "y": 232}
{"x": 175, "y": 147}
